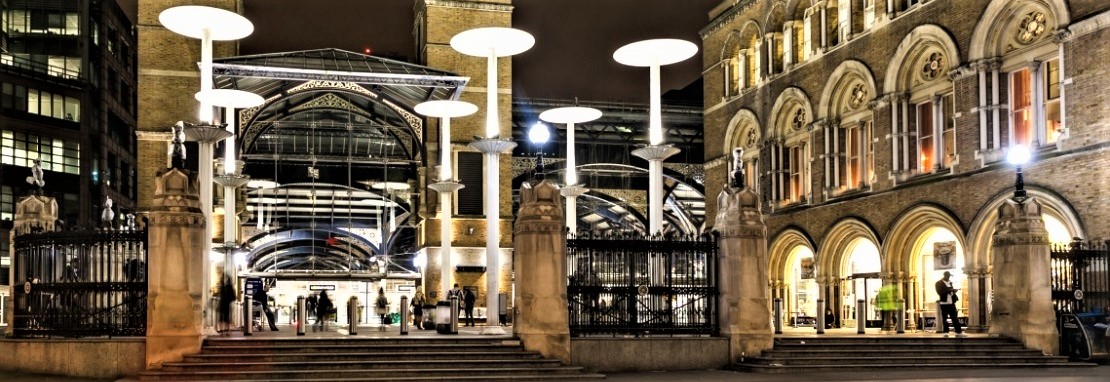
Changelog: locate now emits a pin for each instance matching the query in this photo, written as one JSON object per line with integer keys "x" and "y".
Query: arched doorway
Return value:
{"x": 800, "y": 276}
{"x": 861, "y": 281}
{"x": 936, "y": 251}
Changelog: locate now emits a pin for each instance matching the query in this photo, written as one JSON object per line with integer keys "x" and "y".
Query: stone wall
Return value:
{"x": 607, "y": 355}
{"x": 91, "y": 358}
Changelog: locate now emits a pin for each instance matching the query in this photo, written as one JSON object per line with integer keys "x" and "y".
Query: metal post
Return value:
{"x": 861, "y": 316}
{"x": 404, "y": 315}
{"x": 900, "y": 316}
{"x": 454, "y": 315}
{"x": 820, "y": 316}
{"x": 248, "y": 320}
{"x": 352, "y": 315}
{"x": 778, "y": 316}
{"x": 302, "y": 315}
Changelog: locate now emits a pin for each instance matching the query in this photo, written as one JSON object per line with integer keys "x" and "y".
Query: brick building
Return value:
{"x": 876, "y": 132}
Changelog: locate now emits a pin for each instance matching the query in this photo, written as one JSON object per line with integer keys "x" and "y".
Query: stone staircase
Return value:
{"x": 364, "y": 359}
{"x": 825, "y": 354}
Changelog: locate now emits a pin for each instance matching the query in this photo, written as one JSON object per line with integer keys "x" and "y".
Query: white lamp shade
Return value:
{"x": 574, "y": 114}
{"x": 663, "y": 51}
{"x": 229, "y": 98}
{"x": 445, "y": 109}
{"x": 195, "y": 21}
{"x": 499, "y": 41}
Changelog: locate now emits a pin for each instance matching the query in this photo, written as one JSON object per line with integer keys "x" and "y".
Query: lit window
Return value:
{"x": 925, "y": 137}
{"x": 857, "y": 166}
{"x": 948, "y": 132}
{"x": 796, "y": 166}
{"x": 1052, "y": 100}
{"x": 1021, "y": 111}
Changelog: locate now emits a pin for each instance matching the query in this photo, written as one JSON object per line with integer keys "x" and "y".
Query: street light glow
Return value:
{"x": 539, "y": 133}
{"x": 1019, "y": 155}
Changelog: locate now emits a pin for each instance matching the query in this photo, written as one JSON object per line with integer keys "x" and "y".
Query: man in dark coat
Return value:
{"x": 468, "y": 300}
{"x": 947, "y": 304}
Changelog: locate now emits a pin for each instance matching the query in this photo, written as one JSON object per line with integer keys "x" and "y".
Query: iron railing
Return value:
{"x": 80, "y": 283}
{"x": 628, "y": 284}
{"x": 1080, "y": 276}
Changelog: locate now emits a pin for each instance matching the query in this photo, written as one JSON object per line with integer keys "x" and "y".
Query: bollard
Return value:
{"x": 248, "y": 322}
{"x": 778, "y": 316}
{"x": 820, "y": 316}
{"x": 302, "y": 315}
{"x": 352, "y": 315}
{"x": 454, "y": 315}
{"x": 404, "y": 315}
{"x": 861, "y": 316}
{"x": 900, "y": 315}
{"x": 938, "y": 322}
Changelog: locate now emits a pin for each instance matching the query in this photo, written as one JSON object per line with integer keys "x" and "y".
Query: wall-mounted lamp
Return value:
{"x": 469, "y": 230}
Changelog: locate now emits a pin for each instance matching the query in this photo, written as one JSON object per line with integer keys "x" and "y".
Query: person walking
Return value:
{"x": 417, "y": 304}
{"x": 227, "y": 296}
{"x": 310, "y": 306}
{"x": 264, "y": 299}
{"x": 323, "y": 310}
{"x": 381, "y": 308}
{"x": 947, "y": 304}
{"x": 468, "y": 300}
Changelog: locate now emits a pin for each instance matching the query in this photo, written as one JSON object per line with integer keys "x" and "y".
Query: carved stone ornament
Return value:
{"x": 857, "y": 96}
{"x": 1032, "y": 27}
{"x": 1020, "y": 224}
{"x": 799, "y": 120}
{"x": 751, "y": 139}
{"x": 541, "y": 209}
{"x": 739, "y": 214}
{"x": 934, "y": 66}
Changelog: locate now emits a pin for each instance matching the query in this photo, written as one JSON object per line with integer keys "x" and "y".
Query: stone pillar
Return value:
{"x": 176, "y": 265}
{"x": 976, "y": 299}
{"x": 1022, "y": 303}
{"x": 745, "y": 308}
{"x": 33, "y": 213}
{"x": 541, "y": 318}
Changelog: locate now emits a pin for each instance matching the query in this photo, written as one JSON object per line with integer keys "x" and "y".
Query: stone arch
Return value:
{"x": 992, "y": 32}
{"x": 840, "y": 87}
{"x": 781, "y": 248}
{"x": 909, "y": 228}
{"x": 784, "y": 111}
{"x": 742, "y": 124}
{"x": 835, "y": 244}
{"x": 922, "y": 40}
{"x": 776, "y": 16}
{"x": 982, "y": 228}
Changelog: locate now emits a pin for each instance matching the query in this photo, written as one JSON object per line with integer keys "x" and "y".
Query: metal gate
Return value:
{"x": 1080, "y": 276}
{"x": 642, "y": 285}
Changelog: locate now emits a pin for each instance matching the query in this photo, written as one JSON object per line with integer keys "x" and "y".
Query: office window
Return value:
{"x": 20, "y": 149}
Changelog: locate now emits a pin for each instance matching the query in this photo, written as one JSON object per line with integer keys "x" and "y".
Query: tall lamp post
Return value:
{"x": 492, "y": 43}
{"x": 1018, "y": 156}
{"x": 447, "y": 185}
{"x": 653, "y": 54}
{"x": 571, "y": 189}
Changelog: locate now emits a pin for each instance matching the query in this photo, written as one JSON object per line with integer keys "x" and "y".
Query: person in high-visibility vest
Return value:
{"x": 888, "y": 302}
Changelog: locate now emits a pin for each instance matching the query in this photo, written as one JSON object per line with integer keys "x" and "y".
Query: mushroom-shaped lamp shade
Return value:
{"x": 662, "y": 51}
{"x": 499, "y": 41}
{"x": 1018, "y": 155}
{"x": 574, "y": 114}
{"x": 195, "y": 21}
{"x": 229, "y": 98}
{"x": 445, "y": 109}
{"x": 539, "y": 134}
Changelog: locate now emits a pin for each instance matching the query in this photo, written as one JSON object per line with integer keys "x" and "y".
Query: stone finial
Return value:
{"x": 737, "y": 168}
{"x": 36, "y": 178}
{"x": 177, "y": 147}
{"x": 106, "y": 214}
{"x": 35, "y": 214}
{"x": 539, "y": 202}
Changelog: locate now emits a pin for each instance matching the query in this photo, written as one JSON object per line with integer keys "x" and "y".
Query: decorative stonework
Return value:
{"x": 933, "y": 66}
{"x": 799, "y": 119}
{"x": 1032, "y": 27}
{"x": 541, "y": 205}
{"x": 857, "y": 96}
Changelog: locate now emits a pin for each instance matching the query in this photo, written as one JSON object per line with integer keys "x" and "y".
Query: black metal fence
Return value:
{"x": 642, "y": 286}
{"x": 80, "y": 283}
{"x": 1080, "y": 276}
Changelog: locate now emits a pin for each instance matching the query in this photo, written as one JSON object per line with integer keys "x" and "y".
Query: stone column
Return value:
{"x": 1022, "y": 303}
{"x": 33, "y": 213}
{"x": 541, "y": 319}
{"x": 176, "y": 265}
{"x": 745, "y": 309}
{"x": 976, "y": 299}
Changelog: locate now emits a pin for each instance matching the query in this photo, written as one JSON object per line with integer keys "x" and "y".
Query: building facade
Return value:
{"x": 68, "y": 71}
{"x": 876, "y": 132}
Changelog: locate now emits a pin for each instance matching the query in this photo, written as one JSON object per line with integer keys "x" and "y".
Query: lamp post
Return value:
{"x": 446, "y": 186}
{"x": 538, "y": 135}
{"x": 653, "y": 54}
{"x": 492, "y": 43}
{"x": 571, "y": 189}
{"x": 1018, "y": 156}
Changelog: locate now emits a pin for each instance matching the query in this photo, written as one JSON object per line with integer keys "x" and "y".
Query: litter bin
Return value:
{"x": 443, "y": 318}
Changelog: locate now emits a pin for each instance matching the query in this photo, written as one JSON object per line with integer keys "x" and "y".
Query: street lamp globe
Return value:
{"x": 1018, "y": 156}
{"x": 539, "y": 134}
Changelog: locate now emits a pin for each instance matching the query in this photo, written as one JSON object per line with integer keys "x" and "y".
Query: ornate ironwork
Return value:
{"x": 1080, "y": 276}
{"x": 629, "y": 284}
{"x": 80, "y": 284}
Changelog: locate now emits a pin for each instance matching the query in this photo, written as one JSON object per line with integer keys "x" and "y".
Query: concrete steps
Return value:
{"x": 824, "y": 354}
{"x": 364, "y": 359}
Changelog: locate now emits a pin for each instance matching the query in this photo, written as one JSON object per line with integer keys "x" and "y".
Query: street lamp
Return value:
{"x": 539, "y": 135}
{"x": 1018, "y": 156}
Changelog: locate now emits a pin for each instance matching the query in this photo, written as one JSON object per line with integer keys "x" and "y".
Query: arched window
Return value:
{"x": 744, "y": 132}
{"x": 789, "y": 157}
{"x": 848, "y": 129}
{"x": 741, "y": 63}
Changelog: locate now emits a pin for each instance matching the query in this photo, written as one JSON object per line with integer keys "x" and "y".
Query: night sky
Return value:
{"x": 575, "y": 39}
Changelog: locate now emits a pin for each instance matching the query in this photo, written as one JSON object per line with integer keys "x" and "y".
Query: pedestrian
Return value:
{"x": 381, "y": 308}
{"x": 468, "y": 299}
{"x": 264, "y": 299}
{"x": 888, "y": 304}
{"x": 323, "y": 310}
{"x": 310, "y": 306}
{"x": 947, "y": 304}
{"x": 227, "y": 296}
{"x": 830, "y": 319}
{"x": 418, "y": 308}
